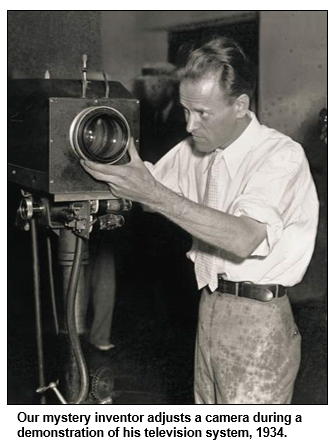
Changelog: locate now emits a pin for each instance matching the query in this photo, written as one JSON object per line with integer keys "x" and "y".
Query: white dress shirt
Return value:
{"x": 270, "y": 181}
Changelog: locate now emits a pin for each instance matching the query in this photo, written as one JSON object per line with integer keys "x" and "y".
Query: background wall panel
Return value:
{"x": 54, "y": 41}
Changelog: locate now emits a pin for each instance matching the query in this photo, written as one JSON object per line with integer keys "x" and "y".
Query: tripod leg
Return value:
{"x": 37, "y": 298}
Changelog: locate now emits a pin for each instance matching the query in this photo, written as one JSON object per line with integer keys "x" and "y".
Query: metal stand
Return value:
{"x": 75, "y": 294}
{"x": 72, "y": 222}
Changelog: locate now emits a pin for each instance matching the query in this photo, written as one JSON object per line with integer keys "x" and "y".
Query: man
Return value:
{"x": 162, "y": 126}
{"x": 102, "y": 288}
{"x": 246, "y": 195}
{"x": 162, "y": 118}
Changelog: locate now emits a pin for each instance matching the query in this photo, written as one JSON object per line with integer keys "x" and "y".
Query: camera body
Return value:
{"x": 51, "y": 127}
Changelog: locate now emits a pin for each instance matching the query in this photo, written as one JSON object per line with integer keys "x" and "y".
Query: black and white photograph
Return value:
{"x": 167, "y": 208}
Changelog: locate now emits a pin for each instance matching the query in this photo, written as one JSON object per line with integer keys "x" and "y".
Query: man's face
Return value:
{"x": 211, "y": 119}
{"x": 158, "y": 91}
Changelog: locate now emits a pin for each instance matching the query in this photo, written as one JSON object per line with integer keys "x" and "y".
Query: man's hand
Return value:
{"x": 132, "y": 181}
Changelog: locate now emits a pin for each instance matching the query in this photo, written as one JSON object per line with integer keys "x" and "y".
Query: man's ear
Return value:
{"x": 242, "y": 104}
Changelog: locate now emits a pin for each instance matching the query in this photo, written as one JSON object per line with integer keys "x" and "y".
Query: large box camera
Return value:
{"x": 51, "y": 127}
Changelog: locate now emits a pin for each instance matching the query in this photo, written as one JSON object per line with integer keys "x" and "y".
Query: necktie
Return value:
{"x": 206, "y": 256}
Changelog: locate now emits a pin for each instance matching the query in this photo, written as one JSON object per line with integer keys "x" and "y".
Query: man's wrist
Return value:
{"x": 154, "y": 196}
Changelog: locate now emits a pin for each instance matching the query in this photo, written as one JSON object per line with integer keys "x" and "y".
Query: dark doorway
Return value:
{"x": 246, "y": 32}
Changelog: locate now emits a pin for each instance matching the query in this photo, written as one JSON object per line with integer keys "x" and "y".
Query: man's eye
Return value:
{"x": 203, "y": 114}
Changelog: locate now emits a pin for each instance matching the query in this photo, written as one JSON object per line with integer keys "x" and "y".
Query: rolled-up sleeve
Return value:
{"x": 264, "y": 213}
{"x": 269, "y": 196}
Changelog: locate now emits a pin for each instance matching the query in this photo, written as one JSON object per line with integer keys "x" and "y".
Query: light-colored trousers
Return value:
{"x": 247, "y": 351}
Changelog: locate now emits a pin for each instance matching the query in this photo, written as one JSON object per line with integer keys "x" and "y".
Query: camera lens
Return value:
{"x": 102, "y": 137}
{"x": 100, "y": 134}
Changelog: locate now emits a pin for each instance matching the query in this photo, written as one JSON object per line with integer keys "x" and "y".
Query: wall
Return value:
{"x": 54, "y": 41}
{"x": 293, "y": 52}
{"x": 126, "y": 46}
{"x": 120, "y": 42}
{"x": 292, "y": 91}
{"x": 293, "y": 69}
{"x": 168, "y": 19}
{"x": 293, "y": 56}
{"x": 132, "y": 38}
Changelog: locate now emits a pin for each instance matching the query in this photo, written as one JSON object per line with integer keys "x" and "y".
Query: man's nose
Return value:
{"x": 192, "y": 123}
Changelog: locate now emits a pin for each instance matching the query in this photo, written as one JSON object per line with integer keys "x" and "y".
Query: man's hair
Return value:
{"x": 224, "y": 57}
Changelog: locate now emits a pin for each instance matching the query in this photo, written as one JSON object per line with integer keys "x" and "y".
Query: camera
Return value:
{"x": 51, "y": 126}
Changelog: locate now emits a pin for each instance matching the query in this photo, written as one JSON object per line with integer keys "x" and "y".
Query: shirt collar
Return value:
{"x": 236, "y": 152}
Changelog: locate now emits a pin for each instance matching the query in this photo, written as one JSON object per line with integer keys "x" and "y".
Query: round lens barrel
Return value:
{"x": 100, "y": 134}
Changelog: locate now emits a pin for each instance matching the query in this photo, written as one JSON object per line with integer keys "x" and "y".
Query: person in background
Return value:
{"x": 102, "y": 288}
{"x": 101, "y": 273}
{"x": 162, "y": 126}
{"x": 246, "y": 195}
{"x": 162, "y": 121}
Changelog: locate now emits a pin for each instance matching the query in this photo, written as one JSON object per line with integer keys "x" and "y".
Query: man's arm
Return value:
{"x": 133, "y": 181}
{"x": 238, "y": 235}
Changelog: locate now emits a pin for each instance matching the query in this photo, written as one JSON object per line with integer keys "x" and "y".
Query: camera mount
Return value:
{"x": 53, "y": 124}
{"x": 72, "y": 222}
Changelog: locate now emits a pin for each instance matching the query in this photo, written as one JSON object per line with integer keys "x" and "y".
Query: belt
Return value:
{"x": 261, "y": 292}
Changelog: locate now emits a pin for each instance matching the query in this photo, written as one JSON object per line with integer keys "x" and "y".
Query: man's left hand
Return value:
{"x": 131, "y": 181}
